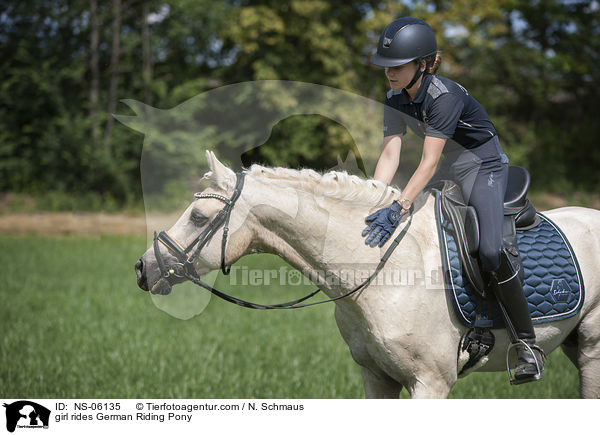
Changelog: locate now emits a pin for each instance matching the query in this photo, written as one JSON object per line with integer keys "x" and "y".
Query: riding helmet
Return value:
{"x": 404, "y": 40}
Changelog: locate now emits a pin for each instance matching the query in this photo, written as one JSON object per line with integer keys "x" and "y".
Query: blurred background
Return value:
{"x": 534, "y": 65}
{"x": 74, "y": 323}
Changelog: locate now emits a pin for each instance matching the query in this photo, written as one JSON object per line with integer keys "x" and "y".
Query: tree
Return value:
{"x": 533, "y": 65}
{"x": 114, "y": 74}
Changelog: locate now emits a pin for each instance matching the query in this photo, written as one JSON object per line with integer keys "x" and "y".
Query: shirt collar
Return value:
{"x": 423, "y": 89}
{"x": 404, "y": 98}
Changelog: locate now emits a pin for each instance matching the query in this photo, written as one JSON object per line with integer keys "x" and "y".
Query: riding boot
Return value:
{"x": 506, "y": 285}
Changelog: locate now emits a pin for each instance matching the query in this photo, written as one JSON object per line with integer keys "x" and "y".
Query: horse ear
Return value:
{"x": 220, "y": 174}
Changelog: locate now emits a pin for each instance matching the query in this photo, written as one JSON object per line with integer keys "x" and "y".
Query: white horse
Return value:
{"x": 402, "y": 335}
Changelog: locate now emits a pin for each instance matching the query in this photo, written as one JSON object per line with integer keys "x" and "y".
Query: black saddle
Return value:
{"x": 519, "y": 214}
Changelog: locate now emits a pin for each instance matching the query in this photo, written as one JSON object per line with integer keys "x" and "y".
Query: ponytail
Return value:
{"x": 432, "y": 63}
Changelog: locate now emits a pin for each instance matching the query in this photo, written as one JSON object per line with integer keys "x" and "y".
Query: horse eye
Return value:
{"x": 198, "y": 218}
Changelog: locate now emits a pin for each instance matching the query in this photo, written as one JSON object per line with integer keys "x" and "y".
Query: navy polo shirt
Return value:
{"x": 442, "y": 108}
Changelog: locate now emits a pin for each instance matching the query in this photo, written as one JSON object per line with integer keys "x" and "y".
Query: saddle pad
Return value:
{"x": 553, "y": 284}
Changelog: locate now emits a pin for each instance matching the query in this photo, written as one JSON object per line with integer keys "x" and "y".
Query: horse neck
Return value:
{"x": 291, "y": 222}
{"x": 314, "y": 234}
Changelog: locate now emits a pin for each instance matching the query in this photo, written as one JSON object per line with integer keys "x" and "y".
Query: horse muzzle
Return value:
{"x": 161, "y": 286}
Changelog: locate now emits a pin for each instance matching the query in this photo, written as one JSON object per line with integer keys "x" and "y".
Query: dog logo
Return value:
{"x": 26, "y": 414}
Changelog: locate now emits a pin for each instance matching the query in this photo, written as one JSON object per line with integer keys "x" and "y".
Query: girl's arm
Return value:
{"x": 382, "y": 223}
{"x": 432, "y": 150}
{"x": 387, "y": 165}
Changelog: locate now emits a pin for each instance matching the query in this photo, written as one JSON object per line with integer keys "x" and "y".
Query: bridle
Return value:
{"x": 186, "y": 261}
{"x": 185, "y": 267}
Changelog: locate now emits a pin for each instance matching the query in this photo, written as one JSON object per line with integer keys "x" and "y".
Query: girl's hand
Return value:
{"x": 382, "y": 224}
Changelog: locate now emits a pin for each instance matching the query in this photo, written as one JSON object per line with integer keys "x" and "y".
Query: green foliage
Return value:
{"x": 307, "y": 141}
{"x": 533, "y": 66}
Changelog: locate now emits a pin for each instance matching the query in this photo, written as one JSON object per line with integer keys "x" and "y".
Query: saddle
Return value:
{"x": 519, "y": 214}
{"x": 547, "y": 266}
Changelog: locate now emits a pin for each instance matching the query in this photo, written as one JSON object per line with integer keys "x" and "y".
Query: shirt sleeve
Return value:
{"x": 444, "y": 114}
{"x": 392, "y": 120}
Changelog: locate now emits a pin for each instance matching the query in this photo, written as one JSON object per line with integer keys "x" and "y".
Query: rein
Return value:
{"x": 185, "y": 267}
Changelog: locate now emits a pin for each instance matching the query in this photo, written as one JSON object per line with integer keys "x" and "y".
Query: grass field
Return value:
{"x": 75, "y": 325}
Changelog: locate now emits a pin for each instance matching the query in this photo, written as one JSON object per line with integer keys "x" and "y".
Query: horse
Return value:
{"x": 402, "y": 334}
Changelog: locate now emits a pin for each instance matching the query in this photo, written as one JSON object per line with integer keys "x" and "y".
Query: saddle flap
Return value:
{"x": 470, "y": 223}
{"x": 464, "y": 223}
{"x": 472, "y": 230}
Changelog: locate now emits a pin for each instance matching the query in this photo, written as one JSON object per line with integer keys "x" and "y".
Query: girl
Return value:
{"x": 454, "y": 124}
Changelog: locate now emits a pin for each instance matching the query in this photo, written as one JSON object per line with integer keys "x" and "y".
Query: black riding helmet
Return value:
{"x": 404, "y": 40}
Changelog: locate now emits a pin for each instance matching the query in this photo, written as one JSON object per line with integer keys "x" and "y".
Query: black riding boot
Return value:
{"x": 507, "y": 287}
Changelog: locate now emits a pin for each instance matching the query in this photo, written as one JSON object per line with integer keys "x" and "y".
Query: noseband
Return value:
{"x": 185, "y": 267}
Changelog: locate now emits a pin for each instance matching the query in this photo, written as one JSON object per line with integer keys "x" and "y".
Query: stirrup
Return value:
{"x": 538, "y": 364}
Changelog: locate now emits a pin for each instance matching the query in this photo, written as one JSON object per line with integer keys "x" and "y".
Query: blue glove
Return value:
{"x": 382, "y": 224}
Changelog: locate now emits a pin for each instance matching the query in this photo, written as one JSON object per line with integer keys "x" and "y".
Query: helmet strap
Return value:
{"x": 416, "y": 77}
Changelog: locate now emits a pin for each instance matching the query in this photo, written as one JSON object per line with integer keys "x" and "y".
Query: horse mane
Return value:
{"x": 333, "y": 184}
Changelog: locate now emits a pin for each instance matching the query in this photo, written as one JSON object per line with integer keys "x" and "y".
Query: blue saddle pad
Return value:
{"x": 553, "y": 284}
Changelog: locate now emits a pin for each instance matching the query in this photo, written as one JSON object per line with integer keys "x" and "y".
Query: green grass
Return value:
{"x": 74, "y": 324}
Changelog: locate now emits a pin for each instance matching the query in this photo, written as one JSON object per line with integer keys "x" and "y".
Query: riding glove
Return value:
{"x": 382, "y": 223}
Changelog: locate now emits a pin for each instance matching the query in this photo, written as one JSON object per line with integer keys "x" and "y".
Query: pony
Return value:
{"x": 402, "y": 334}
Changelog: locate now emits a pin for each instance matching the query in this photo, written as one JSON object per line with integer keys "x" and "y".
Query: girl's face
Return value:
{"x": 400, "y": 76}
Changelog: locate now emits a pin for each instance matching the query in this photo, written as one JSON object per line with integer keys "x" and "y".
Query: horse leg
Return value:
{"x": 429, "y": 388}
{"x": 379, "y": 386}
{"x": 589, "y": 375}
{"x": 589, "y": 356}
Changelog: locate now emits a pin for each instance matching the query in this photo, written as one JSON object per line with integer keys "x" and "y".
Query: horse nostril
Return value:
{"x": 141, "y": 278}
